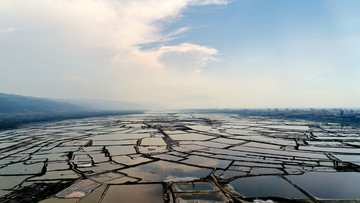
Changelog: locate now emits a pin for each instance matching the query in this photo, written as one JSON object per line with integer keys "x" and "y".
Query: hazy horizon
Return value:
{"x": 184, "y": 53}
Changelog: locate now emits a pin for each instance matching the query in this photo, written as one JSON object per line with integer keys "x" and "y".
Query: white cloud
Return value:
{"x": 187, "y": 55}
{"x": 10, "y": 29}
{"x": 99, "y": 43}
{"x": 115, "y": 27}
{"x": 172, "y": 35}
{"x": 208, "y": 2}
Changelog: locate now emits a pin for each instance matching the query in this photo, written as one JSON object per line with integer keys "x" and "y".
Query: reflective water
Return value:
{"x": 158, "y": 171}
{"x": 94, "y": 196}
{"x": 79, "y": 189}
{"x": 153, "y": 141}
{"x": 212, "y": 197}
{"x": 190, "y": 136}
{"x": 93, "y": 159}
{"x": 206, "y": 162}
{"x": 134, "y": 193}
{"x": 266, "y": 186}
{"x": 191, "y": 187}
{"x": 56, "y": 175}
{"x": 329, "y": 186}
{"x": 120, "y": 150}
{"x": 22, "y": 169}
{"x": 355, "y": 159}
{"x": 8, "y": 182}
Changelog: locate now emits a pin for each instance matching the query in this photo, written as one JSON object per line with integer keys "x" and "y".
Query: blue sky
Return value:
{"x": 184, "y": 53}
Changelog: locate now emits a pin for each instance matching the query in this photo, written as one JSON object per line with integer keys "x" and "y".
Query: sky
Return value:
{"x": 184, "y": 53}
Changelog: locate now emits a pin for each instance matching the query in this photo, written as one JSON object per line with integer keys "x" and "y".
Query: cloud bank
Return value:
{"x": 183, "y": 53}
{"x": 79, "y": 45}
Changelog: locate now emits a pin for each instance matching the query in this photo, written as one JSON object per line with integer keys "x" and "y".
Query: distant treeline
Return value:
{"x": 317, "y": 115}
{"x": 9, "y": 121}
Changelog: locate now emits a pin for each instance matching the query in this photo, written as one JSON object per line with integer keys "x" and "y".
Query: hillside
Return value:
{"x": 14, "y": 104}
{"x": 16, "y": 110}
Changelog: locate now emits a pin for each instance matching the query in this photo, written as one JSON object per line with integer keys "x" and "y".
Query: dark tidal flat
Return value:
{"x": 178, "y": 157}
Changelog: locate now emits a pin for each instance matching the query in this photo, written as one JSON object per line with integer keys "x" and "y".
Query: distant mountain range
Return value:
{"x": 16, "y": 110}
{"x": 105, "y": 105}
{"x": 15, "y": 104}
